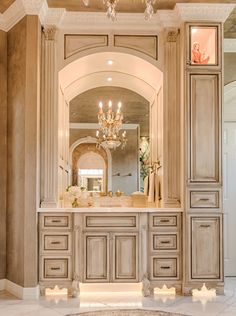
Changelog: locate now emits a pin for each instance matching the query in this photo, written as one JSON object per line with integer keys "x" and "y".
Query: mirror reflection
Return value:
{"x": 113, "y": 155}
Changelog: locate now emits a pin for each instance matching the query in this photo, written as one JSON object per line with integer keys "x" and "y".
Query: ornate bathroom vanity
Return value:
{"x": 125, "y": 245}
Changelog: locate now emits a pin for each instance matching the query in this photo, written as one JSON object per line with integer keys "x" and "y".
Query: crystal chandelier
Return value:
{"x": 111, "y": 8}
{"x": 110, "y": 125}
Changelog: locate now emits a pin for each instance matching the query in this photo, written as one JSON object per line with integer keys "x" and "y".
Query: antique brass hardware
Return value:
{"x": 165, "y": 267}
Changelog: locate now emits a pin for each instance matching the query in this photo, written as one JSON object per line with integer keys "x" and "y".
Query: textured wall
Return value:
{"x": 23, "y": 103}
{"x": 229, "y": 67}
{"x": 3, "y": 150}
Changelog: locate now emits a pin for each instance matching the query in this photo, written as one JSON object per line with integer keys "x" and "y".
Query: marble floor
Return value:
{"x": 58, "y": 306}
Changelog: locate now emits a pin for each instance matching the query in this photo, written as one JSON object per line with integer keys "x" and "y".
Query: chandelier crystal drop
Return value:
{"x": 110, "y": 125}
{"x": 111, "y": 8}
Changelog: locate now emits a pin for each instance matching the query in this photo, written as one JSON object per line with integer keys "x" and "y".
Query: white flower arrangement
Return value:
{"x": 74, "y": 191}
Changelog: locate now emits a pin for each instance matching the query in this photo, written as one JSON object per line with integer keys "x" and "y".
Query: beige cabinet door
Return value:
{"x": 204, "y": 127}
{"x": 125, "y": 257}
{"x": 96, "y": 257}
{"x": 205, "y": 247}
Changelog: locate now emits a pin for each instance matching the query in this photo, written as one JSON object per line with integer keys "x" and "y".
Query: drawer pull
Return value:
{"x": 55, "y": 268}
{"x": 56, "y": 221}
{"x": 204, "y": 200}
{"x": 165, "y": 241}
{"x": 205, "y": 226}
{"x": 55, "y": 242}
{"x": 165, "y": 267}
{"x": 164, "y": 220}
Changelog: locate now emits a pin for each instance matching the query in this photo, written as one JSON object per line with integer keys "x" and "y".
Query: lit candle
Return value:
{"x": 100, "y": 105}
{"x": 97, "y": 133}
{"x": 119, "y": 105}
{"x": 110, "y": 104}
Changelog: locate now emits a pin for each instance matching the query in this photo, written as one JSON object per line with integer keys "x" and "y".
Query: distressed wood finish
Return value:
{"x": 76, "y": 43}
{"x": 204, "y": 126}
{"x": 142, "y": 43}
{"x": 164, "y": 268}
{"x": 96, "y": 257}
{"x": 125, "y": 257}
{"x": 204, "y": 199}
{"x": 205, "y": 247}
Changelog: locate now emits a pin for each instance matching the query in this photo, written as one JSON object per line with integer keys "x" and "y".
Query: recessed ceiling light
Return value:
{"x": 110, "y": 62}
{"x": 109, "y": 79}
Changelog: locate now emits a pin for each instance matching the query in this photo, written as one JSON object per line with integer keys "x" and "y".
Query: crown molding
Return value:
{"x": 230, "y": 45}
{"x": 214, "y": 12}
{"x": 84, "y": 20}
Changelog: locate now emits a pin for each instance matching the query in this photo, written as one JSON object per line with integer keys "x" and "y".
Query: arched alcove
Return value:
{"x": 127, "y": 71}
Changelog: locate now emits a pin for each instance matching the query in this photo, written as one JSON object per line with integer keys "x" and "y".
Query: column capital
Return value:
{"x": 50, "y": 32}
{"x": 171, "y": 34}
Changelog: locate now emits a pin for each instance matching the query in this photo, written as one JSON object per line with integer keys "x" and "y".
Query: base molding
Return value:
{"x": 2, "y": 284}
{"x": 25, "y": 293}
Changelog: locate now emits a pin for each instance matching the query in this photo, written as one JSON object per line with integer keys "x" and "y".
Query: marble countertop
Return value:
{"x": 109, "y": 210}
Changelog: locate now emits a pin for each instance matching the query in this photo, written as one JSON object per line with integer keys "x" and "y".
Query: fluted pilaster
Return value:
{"x": 171, "y": 159}
{"x": 49, "y": 121}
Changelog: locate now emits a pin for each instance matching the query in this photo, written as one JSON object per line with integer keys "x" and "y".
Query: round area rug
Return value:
{"x": 127, "y": 312}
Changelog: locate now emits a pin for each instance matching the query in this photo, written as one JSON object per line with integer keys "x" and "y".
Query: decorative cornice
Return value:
{"x": 230, "y": 45}
{"x": 214, "y": 12}
{"x": 84, "y": 20}
{"x": 169, "y": 18}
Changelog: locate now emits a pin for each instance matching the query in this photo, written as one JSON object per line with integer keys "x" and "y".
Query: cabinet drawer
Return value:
{"x": 164, "y": 221}
{"x": 111, "y": 221}
{"x": 204, "y": 199}
{"x": 164, "y": 242}
{"x": 55, "y": 268}
{"x": 165, "y": 267}
{"x": 56, "y": 242}
{"x": 56, "y": 221}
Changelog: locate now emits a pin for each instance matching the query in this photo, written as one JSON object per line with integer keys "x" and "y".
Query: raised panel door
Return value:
{"x": 125, "y": 258}
{"x": 205, "y": 247}
{"x": 204, "y": 127}
{"x": 96, "y": 256}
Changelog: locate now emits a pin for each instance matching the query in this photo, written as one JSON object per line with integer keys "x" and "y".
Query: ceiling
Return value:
{"x": 134, "y": 6}
{"x": 124, "y": 5}
{"x": 84, "y": 107}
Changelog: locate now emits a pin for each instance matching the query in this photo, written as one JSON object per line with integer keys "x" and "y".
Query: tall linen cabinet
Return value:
{"x": 203, "y": 242}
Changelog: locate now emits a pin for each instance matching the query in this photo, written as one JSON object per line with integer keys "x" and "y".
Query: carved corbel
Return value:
{"x": 146, "y": 290}
{"x": 75, "y": 287}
